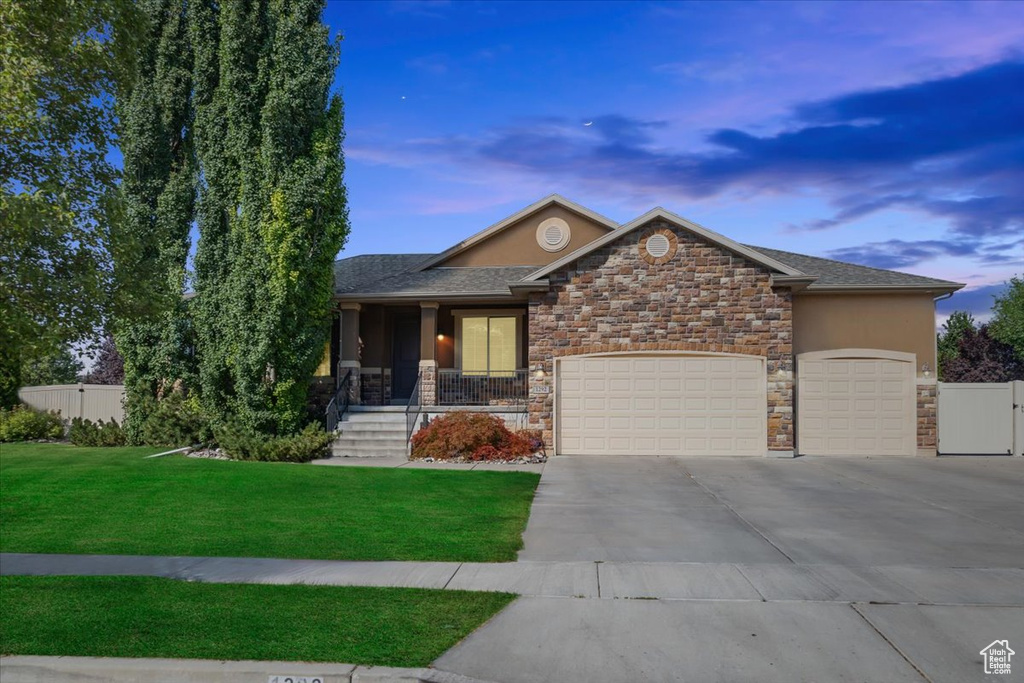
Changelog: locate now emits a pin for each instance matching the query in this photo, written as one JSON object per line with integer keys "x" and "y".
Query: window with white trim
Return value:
{"x": 489, "y": 345}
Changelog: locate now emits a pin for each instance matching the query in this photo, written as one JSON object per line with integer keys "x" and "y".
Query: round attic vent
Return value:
{"x": 658, "y": 245}
{"x": 553, "y": 234}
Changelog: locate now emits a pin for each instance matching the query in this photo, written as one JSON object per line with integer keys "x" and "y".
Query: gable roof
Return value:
{"x": 668, "y": 216}
{"x": 515, "y": 218}
{"x": 839, "y": 275}
{"x": 355, "y": 272}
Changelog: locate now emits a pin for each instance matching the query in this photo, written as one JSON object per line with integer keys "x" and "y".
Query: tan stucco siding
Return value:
{"x": 517, "y": 245}
{"x": 892, "y": 322}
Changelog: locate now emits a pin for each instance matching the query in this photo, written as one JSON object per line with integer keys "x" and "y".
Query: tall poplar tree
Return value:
{"x": 272, "y": 208}
{"x": 159, "y": 192}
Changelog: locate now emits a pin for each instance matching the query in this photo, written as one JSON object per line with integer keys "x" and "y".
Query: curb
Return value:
{"x": 40, "y": 669}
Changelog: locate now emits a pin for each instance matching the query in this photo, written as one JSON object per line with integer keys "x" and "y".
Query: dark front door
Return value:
{"x": 405, "y": 360}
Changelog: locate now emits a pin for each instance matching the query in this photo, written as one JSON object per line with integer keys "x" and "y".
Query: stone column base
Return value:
{"x": 428, "y": 382}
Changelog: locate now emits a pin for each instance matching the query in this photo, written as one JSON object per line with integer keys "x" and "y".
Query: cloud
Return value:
{"x": 951, "y": 148}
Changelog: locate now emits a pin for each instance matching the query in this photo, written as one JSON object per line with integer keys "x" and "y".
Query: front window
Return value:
{"x": 489, "y": 345}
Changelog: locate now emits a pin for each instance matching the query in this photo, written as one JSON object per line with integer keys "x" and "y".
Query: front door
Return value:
{"x": 405, "y": 360}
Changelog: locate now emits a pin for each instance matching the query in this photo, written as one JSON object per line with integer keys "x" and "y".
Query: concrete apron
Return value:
{"x": 28, "y": 669}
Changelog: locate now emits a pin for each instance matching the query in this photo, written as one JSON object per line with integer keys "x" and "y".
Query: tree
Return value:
{"x": 981, "y": 358}
{"x": 159, "y": 198}
{"x": 108, "y": 367}
{"x": 60, "y": 64}
{"x": 948, "y": 344}
{"x": 1008, "y": 320}
{"x": 58, "y": 367}
{"x": 272, "y": 208}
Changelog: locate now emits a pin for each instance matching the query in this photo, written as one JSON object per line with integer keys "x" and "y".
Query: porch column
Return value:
{"x": 428, "y": 352}
{"x": 348, "y": 323}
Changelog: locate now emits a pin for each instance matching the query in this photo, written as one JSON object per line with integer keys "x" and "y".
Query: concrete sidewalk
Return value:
{"x": 768, "y": 582}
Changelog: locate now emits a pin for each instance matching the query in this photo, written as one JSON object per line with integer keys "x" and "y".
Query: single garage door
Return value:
{"x": 855, "y": 402}
{"x": 661, "y": 405}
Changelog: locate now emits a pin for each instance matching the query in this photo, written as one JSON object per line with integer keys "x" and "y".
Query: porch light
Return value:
{"x": 926, "y": 369}
{"x": 440, "y": 337}
{"x": 539, "y": 374}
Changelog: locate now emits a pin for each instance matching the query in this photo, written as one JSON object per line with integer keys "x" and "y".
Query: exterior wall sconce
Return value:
{"x": 440, "y": 337}
{"x": 926, "y": 369}
{"x": 539, "y": 374}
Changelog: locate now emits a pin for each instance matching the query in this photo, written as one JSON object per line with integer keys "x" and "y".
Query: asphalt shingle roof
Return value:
{"x": 838, "y": 273}
{"x": 395, "y": 274}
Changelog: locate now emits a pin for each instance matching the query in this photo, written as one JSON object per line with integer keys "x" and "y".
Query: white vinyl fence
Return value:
{"x": 89, "y": 401}
{"x": 981, "y": 419}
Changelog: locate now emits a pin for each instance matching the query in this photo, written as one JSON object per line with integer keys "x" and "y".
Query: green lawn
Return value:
{"x": 62, "y": 499}
{"x": 150, "y": 617}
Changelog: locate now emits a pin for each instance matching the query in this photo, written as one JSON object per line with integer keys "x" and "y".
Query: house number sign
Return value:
{"x": 542, "y": 389}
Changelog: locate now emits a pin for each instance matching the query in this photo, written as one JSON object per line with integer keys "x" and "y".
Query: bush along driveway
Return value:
{"x": 61, "y": 499}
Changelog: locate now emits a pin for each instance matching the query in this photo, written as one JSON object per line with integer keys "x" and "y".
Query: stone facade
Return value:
{"x": 375, "y": 386}
{"x": 927, "y": 426}
{"x": 428, "y": 382}
{"x": 703, "y": 299}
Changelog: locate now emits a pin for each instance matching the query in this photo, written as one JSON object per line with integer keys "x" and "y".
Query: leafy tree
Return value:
{"x": 982, "y": 358}
{"x": 159, "y": 198}
{"x": 948, "y": 346}
{"x": 272, "y": 209}
{"x": 1008, "y": 322}
{"x": 109, "y": 365}
{"x": 58, "y": 367}
{"x": 60, "y": 64}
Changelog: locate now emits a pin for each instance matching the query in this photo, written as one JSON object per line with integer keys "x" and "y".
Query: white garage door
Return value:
{"x": 661, "y": 405}
{"x": 856, "y": 406}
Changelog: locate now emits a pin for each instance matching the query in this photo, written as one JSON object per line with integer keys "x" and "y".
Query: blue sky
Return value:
{"x": 889, "y": 134}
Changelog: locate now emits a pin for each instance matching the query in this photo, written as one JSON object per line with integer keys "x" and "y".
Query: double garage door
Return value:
{"x": 672, "y": 405}
{"x": 849, "y": 402}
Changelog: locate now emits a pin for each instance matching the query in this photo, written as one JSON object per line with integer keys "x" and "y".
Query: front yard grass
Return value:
{"x": 56, "y": 498}
{"x": 151, "y": 617}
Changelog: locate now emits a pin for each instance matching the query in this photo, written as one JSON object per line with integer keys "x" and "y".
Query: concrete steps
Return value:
{"x": 378, "y": 433}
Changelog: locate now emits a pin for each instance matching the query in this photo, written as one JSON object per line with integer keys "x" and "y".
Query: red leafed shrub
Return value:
{"x": 474, "y": 436}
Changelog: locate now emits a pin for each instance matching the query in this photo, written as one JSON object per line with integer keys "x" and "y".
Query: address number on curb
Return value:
{"x": 295, "y": 679}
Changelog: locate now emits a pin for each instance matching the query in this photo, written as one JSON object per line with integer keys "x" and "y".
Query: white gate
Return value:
{"x": 981, "y": 419}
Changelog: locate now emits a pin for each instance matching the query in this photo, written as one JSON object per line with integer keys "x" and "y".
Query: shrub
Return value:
{"x": 240, "y": 444}
{"x": 176, "y": 421}
{"x": 473, "y": 436}
{"x": 23, "y": 423}
{"x": 100, "y": 433}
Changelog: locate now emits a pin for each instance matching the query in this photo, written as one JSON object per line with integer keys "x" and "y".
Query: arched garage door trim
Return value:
{"x": 761, "y": 385}
{"x": 848, "y": 408}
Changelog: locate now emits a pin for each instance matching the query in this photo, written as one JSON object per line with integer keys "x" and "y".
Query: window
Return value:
{"x": 489, "y": 345}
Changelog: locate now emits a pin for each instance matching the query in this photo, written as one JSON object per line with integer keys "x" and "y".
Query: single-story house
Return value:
{"x": 656, "y": 336}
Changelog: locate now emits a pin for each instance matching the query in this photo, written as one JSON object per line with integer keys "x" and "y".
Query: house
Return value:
{"x": 656, "y": 336}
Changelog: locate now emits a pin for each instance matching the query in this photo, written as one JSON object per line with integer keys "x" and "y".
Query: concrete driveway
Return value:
{"x": 940, "y": 512}
{"x": 845, "y": 569}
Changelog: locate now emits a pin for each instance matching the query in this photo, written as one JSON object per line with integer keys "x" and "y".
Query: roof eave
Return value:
{"x": 938, "y": 287}
{"x": 383, "y": 297}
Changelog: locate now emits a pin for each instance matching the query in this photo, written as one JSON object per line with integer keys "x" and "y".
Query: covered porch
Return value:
{"x": 444, "y": 354}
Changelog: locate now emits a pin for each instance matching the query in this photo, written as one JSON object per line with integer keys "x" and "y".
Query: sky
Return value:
{"x": 886, "y": 134}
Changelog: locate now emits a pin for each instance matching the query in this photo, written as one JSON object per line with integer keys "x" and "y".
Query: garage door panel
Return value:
{"x": 662, "y": 406}
{"x": 862, "y": 406}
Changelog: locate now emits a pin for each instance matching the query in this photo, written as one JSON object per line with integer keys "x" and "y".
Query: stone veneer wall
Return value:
{"x": 705, "y": 299}
{"x": 375, "y": 386}
{"x": 927, "y": 425}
